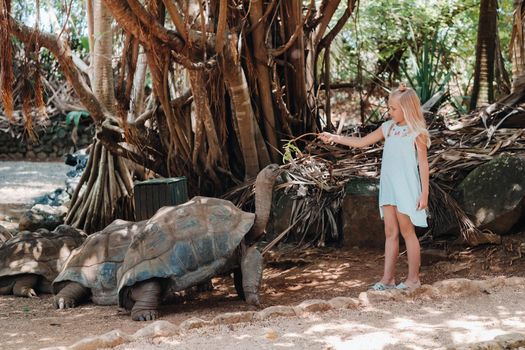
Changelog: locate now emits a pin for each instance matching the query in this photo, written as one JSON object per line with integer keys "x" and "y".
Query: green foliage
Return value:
{"x": 75, "y": 117}
{"x": 291, "y": 151}
{"x": 84, "y": 42}
{"x": 428, "y": 75}
{"x": 388, "y": 40}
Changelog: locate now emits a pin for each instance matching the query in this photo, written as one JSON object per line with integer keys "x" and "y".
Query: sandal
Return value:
{"x": 378, "y": 286}
{"x": 404, "y": 286}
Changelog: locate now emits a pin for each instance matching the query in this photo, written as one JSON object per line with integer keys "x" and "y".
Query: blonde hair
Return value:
{"x": 412, "y": 111}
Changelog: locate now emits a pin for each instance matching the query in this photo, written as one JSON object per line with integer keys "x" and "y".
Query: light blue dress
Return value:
{"x": 400, "y": 184}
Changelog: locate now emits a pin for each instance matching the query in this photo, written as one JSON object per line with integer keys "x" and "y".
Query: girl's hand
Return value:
{"x": 422, "y": 202}
{"x": 326, "y": 137}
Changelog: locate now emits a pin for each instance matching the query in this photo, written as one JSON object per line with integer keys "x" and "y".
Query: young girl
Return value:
{"x": 403, "y": 186}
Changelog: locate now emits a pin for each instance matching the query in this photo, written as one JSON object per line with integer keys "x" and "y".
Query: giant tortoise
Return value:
{"x": 4, "y": 235}
{"x": 185, "y": 245}
{"x": 91, "y": 269}
{"x": 30, "y": 261}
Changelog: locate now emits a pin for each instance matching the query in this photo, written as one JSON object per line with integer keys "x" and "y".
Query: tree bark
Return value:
{"x": 103, "y": 199}
{"x": 292, "y": 11}
{"x": 237, "y": 86}
{"x": 137, "y": 91}
{"x": 103, "y": 85}
{"x": 263, "y": 77}
{"x": 483, "y": 90}
{"x": 517, "y": 45}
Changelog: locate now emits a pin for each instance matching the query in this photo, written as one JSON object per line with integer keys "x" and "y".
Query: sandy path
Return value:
{"x": 21, "y": 182}
{"x": 289, "y": 279}
{"x": 385, "y": 325}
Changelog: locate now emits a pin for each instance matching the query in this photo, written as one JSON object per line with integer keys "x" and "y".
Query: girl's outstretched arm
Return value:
{"x": 357, "y": 142}
{"x": 421, "y": 145}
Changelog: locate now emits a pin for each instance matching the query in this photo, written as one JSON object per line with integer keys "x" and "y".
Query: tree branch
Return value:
{"x": 61, "y": 51}
{"x": 327, "y": 10}
{"x": 327, "y": 40}
{"x": 280, "y": 50}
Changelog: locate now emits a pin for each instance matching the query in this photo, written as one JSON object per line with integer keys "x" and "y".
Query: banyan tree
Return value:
{"x": 230, "y": 80}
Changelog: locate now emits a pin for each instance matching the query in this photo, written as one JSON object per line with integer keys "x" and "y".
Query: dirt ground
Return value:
{"x": 289, "y": 278}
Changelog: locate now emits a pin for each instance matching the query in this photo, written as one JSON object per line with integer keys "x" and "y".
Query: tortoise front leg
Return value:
{"x": 70, "y": 296}
{"x": 25, "y": 285}
{"x": 147, "y": 296}
{"x": 251, "y": 268}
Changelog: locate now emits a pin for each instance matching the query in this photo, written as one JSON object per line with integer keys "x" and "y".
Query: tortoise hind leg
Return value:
{"x": 147, "y": 296}
{"x": 70, "y": 296}
{"x": 237, "y": 282}
{"x": 25, "y": 285}
{"x": 251, "y": 268}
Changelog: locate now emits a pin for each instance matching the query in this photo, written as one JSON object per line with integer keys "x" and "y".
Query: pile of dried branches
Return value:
{"x": 452, "y": 155}
{"x": 316, "y": 178}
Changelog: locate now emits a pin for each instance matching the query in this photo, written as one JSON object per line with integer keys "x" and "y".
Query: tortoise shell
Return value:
{"x": 4, "y": 235}
{"x": 95, "y": 263}
{"x": 41, "y": 252}
{"x": 188, "y": 243}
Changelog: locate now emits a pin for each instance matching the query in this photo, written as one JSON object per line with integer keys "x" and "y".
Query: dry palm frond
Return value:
{"x": 316, "y": 201}
{"x": 39, "y": 96}
{"x": 6, "y": 60}
{"x": 446, "y": 212}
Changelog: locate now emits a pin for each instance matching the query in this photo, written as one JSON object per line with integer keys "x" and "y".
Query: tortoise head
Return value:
{"x": 263, "y": 199}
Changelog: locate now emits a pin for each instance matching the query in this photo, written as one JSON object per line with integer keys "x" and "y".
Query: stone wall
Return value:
{"x": 53, "y": 141}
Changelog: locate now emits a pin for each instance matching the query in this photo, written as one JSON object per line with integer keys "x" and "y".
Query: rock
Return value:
{"x": 511, "y": 341}
{"x": 344, "y": 303}
{"x": 515, "y": 282}
{"x": 362, "y": 224}
{"x": 275, "y": 311}
{"x": 500, "y": 342}
{"x": 271, "y": 334}
{"x": 55, "y": 199}
{"x": 42, "y": 216}
{"x": 492, "y": 194}
{"x": 458, "y": 287}
{"x": 233, "y": 317}
{"x": 193, "y": 323}
{"x": 282, "y": 216}
{"x": 157, "y": 329}
{"x": 375, "y": 297}
{"x": 108, "y": 340}
{"x": 313, "y": 305}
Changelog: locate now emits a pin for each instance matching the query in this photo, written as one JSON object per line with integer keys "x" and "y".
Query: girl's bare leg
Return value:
{"x": 413, "y": 250}
{"x": 391, "y": 244}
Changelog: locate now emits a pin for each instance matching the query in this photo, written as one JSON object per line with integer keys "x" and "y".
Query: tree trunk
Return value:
{"x": 205, "y": 127}
{"x": 483, "y": 90}
{"x": 292, "y": 11}
{"x": 263, "y": 77}
{"x": 137, "y": 92}
{"x": 102, "y": 84}
{"x": 108, "y": 190}
{"x": 237, "y": 86}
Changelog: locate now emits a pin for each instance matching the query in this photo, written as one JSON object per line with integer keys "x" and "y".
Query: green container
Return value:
{"x": 151, "y": 195}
